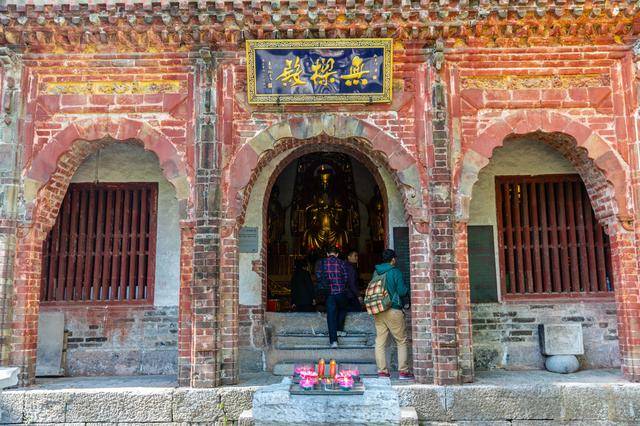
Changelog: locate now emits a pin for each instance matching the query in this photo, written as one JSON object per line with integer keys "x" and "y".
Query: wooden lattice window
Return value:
{"x": 550, "y": 242}
{"x": 102, "y": 246}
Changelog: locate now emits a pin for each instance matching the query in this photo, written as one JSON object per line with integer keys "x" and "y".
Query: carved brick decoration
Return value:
{"x": 114, "y": 87}
{"x": 515, "y": 82}
{"x": 141, "y": 26}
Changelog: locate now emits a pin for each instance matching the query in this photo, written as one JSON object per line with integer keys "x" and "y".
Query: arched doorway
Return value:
{"x": 320, "y": 200}
{"x": 270, "y": 321}
{"x": 537, "y": 255}
{"x": 247, "y": 174}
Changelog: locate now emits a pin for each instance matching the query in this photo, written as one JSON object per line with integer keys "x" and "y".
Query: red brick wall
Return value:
{"x": 581, "y": 98}
{"x": 62, "y": 91}
{"x": 584, "y": 93}
{"x": 69, "y": 105}
{"x": 403, "y": 122}
{"x": 185, "y": 303}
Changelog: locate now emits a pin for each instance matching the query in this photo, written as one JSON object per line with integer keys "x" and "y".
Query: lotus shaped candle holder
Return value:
{"x": 304, "y": 368}
{"x": 345, "y": 382}
{"x": 307, "y": 384}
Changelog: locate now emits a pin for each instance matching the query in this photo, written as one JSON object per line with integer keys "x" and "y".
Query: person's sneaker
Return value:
{"x": 383, "y": 374}
{"x": 334, "y": 345}
{"x": 405, "y": 376}
{"x": 341, "y": 333}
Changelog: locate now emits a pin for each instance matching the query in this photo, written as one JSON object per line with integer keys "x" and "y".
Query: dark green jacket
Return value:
{"x": 396, "y": 287}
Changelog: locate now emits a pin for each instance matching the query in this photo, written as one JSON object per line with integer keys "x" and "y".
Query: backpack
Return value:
{"x": 376, "y": 297}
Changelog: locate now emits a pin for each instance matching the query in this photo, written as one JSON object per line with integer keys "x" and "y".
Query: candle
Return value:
{"x": 332, "y": 368}
{"x": 321, "y": 368}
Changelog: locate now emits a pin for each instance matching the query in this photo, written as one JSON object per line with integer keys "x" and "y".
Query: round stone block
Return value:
{"x": 562, "y": 364}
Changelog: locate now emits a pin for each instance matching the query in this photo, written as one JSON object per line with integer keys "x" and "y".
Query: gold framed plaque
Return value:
{"x": 319, "y": 71}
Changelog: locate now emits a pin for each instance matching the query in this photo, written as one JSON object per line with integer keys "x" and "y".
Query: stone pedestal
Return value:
{"x": 560, "y": 343}
{"x": 379, "y": 405}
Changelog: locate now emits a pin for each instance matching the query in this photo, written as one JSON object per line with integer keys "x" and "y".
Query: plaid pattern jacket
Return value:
{"x": 336, "y": 273}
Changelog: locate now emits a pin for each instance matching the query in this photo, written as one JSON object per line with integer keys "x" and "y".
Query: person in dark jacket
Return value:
{"x": 392, "y": 320}
{"x": 302, "y": 290}
{"x": 353, "y": 283}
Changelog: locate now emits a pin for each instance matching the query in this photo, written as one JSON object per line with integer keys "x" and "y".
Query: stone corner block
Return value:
{"x": 429, "y": 402}
{"x": 246, "y": 418}
{"x": 8, "y": 376}
{"x": 408, "y": 416}
{"x": 11, "y": 407}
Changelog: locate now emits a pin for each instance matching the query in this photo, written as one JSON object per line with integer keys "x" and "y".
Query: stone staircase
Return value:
{"x": 295, "y": 338}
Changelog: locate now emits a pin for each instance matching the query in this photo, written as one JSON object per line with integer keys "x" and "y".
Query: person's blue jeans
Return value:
{"x": 337, "y": 305}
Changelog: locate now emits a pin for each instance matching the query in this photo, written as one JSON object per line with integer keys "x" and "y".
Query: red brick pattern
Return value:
{"x": 440, "y": 130}
{"x": 43, "y": 212}
{"x": 185, "y": 303}
{"x": 373, "y": 160}
{"x": 576, "y": 100}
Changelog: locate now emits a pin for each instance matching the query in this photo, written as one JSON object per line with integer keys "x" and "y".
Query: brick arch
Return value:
{"x": 325, "y": 132}
{"x": 44, "y": 163}
{"x": 302, "y": 148}
{"x": 296, "y": 150}
{"x": 607, "y": 179}
{"x": 592, "y": 156}
{"x": 48, "y": 176}
{"x": 360, "y": 136}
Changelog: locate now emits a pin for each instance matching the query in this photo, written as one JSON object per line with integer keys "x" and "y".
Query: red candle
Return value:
{"x": 332, "y": 368}
{"x": 321, "y": 368}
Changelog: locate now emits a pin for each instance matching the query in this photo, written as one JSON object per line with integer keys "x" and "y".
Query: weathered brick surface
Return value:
{"x": 577, "y": 101}
{"x": 506, "y": 335}
{"x": 120, "y": 340}
{"x": 185, "y": 318}
{"x": 10, "y": 168}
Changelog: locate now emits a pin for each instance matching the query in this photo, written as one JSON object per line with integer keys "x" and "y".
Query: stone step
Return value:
{"x": 321, "y": 340}
{"x": 285, "y": 368}
{"x": 300, "y": 355}
{"x": 316, "y": 322}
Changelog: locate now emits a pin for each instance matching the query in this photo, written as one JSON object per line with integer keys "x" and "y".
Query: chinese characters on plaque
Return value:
{"x": 319, "y": 71}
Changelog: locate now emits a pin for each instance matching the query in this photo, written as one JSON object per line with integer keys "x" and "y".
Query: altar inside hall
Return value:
{"x": 319, "y": 201}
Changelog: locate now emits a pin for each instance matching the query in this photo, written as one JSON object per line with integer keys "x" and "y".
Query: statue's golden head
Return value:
{"x": 324, "y": 174}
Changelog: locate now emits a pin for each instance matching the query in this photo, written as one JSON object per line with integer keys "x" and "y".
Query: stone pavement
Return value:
{"x": 595, "y": 397}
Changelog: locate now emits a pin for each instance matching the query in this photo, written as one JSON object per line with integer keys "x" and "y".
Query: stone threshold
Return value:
{"x": 497, "y": 397}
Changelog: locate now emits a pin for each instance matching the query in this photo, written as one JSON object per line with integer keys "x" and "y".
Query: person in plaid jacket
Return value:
{"x": 334, "y": 270}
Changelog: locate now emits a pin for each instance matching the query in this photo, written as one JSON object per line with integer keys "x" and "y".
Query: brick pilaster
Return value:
{"x": 10, "y": 168}
{"x": 421, "y": 333}
{"x": 463, "y": 304}
{"x": 443, "y": 276}
{"x": 206, "y": 238}
{"x": 624, "y": 261}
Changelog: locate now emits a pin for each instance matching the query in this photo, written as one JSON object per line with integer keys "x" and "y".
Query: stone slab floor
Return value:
{"x": 593, "y": 397}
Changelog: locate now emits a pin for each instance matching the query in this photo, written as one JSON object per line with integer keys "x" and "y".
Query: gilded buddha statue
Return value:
{"x": 326, "y": 218}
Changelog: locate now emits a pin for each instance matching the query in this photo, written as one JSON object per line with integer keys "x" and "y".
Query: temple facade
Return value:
{"x": 137, "y": 181}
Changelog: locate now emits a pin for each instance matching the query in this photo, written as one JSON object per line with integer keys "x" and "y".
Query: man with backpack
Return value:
{"x": 384, "y": 300}
{"x": 331, "y": 274}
